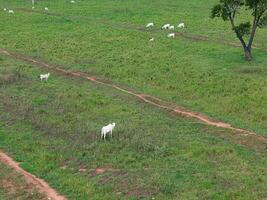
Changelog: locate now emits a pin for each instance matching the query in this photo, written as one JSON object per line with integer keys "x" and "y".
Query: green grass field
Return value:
{"x": 104, "y": 38}
{"x": 53, "y": 128}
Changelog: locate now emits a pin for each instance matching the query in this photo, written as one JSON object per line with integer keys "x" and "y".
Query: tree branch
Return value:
{"x": 254, "y": 27}
{"x": 237, "y": 34}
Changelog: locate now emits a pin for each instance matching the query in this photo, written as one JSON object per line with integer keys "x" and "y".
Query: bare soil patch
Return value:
{"x": 40, "y": 184}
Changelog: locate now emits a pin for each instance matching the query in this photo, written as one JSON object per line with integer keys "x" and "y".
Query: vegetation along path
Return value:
{"x": 40, "y": 184}
{"x": 144, "y": 97}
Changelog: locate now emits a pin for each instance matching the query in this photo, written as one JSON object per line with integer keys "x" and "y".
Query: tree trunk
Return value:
{"x": 248, "y": 55}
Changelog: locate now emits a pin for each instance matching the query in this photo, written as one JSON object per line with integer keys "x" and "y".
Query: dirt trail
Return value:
{"x": 196, "y": 38}
{"x": 44, "y": 187}
{"x": 144, "y": 97}
{"x": 40, "y": 184}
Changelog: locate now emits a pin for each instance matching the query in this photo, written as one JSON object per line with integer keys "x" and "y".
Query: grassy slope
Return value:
{"x": 53, "y": 130}
{"x": 207, "y": 77}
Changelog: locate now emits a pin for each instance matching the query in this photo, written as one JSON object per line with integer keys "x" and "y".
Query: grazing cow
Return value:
{"x": 151, "y": 39}
{"x": 11, "y": 11}
{"x": 171, "y": 27}
{"x": 165, "y": 26}
{"x": 150, "y": 25}
{"x": 171, "y": 35}
{"x": 5, "y": 9}
{"x": 46, "y": 9}
{"x": 72, "y": 1}
{"x": 44, "y": 76}
{"x": 107, "y": 129}
{"x": 181, "y": 25}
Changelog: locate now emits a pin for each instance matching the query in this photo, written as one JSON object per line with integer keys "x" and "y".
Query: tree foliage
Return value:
{"x": 228, "y": 11}
{"x": 243, "y": 29}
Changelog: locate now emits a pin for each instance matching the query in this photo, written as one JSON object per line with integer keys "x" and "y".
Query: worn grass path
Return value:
{"x": 51, "y": 129}
{"x": 195, "y": 72}
{"x": 144, "y": 97}
{"x": 40, "y": 184}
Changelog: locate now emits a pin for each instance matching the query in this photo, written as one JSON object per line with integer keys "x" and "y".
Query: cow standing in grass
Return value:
{"x": 165, "y": 26}
{"x": 107, "y": 129}
{"x": 181, "y": 25}
{"x": 149, "y": 25}
{"x": 44, "y": 76}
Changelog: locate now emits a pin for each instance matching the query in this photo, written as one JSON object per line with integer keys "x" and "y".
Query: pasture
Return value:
{"x": 108, "y": 39}
{"x": 53, "y": 128}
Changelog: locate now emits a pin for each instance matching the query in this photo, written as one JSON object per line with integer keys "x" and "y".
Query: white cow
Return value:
{"x": 44, "y": 76}
{"x": 171, "y": 35}
{"x": 46, "y": 9}
{"x": 151, "y": 39}
{"x": 181, "y": 25}
{"x": 171, "y": 27}
{"x": 72, "y": 1}
{"x": 165, "y": 26}
{"x": 5, "y": 9}
{"x": 107, "y": 129}
{"x": 151, "y": 24}
{"x": 11, "y": 11}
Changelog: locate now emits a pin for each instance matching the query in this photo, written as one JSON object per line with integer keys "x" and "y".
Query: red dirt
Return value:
{"x": 146, "y": 98}
{"x": 40, "y": 184}
{"x": 103, "y": 169}
{"x": 99, "y": 171}
{"x": 82, "y": 168}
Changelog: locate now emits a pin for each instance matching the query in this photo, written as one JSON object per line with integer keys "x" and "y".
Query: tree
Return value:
{"x": 228, "y": 10}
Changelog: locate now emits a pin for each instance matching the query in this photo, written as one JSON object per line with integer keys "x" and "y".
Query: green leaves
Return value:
{"x": 219, "y": 11}
{"x": 216, "y": 11}
{"x": 258, "y": 7}
{"x": 252, "y": 4}
{"x": 243, "y": 29}
{"x": 229, "y": 9}
{"x": 226, "y": 9}
{"x": 263, "y": 21}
